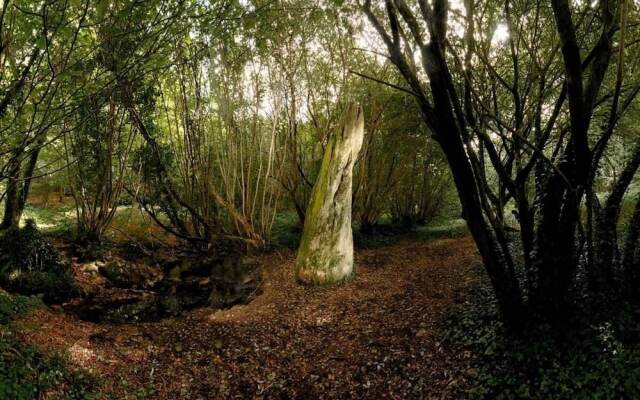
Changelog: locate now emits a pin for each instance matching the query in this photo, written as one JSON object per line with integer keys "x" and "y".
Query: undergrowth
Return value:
{"x": 388, "y": 233}
{"x": 31, "y": 265}
{"x": 597, "y": 358}
{"x": 25, "y": 372}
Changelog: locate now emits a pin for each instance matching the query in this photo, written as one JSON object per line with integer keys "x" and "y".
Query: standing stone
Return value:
{"x": 325, "y": 255}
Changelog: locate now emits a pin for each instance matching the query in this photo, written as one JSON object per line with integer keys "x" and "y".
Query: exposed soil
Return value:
{"x": 373, "y": 338}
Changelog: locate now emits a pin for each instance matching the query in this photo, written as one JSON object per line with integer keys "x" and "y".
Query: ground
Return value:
{"x": 372, "y": 338}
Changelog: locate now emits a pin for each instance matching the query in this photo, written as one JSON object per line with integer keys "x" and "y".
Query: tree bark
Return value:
{"x": 325, "y": 255}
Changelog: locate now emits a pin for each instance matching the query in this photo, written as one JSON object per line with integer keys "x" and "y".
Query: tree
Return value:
{"x": 39, "y": 44}
{"x": 514, "y": 116}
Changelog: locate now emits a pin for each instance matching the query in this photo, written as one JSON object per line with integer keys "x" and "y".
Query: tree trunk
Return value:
{"x": 18, "y": 186}
{"x": 606, "y": 222}
{"x": 630, "y": 257}
{"x": 495, "y": 257}
{"x": 325, "y": 255}
{"x": 27, "y": 177}
{"x": 554, "y": 254}
{"x": 12, "y": 213}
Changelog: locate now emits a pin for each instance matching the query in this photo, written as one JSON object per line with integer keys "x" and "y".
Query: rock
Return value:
{"x": 325, "y": 254}
{"x": 140, "y": 292}
{"x": 111, "y": 270}
{"x": 90, "y": 268}
{"x": 131, "y": 275}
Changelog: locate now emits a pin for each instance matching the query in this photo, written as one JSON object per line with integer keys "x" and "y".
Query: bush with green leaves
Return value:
{"x": 31, "y": 265}
{"x": 592, "y": 357}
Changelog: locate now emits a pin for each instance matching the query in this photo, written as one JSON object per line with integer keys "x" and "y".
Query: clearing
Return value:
{"x": 375, "y": 337}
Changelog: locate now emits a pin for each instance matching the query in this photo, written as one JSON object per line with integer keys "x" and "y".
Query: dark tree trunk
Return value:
{"x": 630, "y": 255}
{"x": 505, "y": 284}
{"x": 447, "y": 120}
{"x": 554, "y": 254}
{"x": 497, "y": 263}
{"x": 18, "y": 186}
{"x": 606, "y": 222}
{"x": 300, "y": 212}
{"x": 12, "y": 213}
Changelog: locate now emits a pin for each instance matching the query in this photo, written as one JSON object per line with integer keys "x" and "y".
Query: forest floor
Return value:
{"x": 373, "y": 338}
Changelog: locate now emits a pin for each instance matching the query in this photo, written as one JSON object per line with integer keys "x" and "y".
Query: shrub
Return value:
{"x": 13, "y": 306}
{"x": 30, "y": 264}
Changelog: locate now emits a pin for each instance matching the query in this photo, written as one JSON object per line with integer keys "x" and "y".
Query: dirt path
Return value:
{"x": 370, "y": 339}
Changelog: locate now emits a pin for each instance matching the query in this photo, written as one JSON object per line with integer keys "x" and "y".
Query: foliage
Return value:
{"x": 401, "y": 171}
{"x": 216, "y": 159}
{"x": 388, "y": 232}
{"x": 30, "y": 264}
{"x": 286, "y": 231}
{"x": 99, "y": 148}
{"x": 591, "y": 358}
{"x": 52, "y": 220}
{"x": 423, "y": 192}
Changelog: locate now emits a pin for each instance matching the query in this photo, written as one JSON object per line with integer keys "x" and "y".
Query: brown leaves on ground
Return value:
{"x": 372, "y": 338}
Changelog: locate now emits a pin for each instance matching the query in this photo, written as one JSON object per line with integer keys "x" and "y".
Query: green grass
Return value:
{"x": 444, "y": 229}
{"x": 54, "y": 219}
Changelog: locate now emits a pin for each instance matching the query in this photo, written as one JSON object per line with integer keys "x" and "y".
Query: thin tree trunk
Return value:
{"x": 27, "y": 178}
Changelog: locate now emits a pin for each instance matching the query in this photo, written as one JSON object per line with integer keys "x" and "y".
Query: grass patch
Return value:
{"x": 445, "y": 229}
{"x": 55, "y": 219}
{"x": 596, "y": 359}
